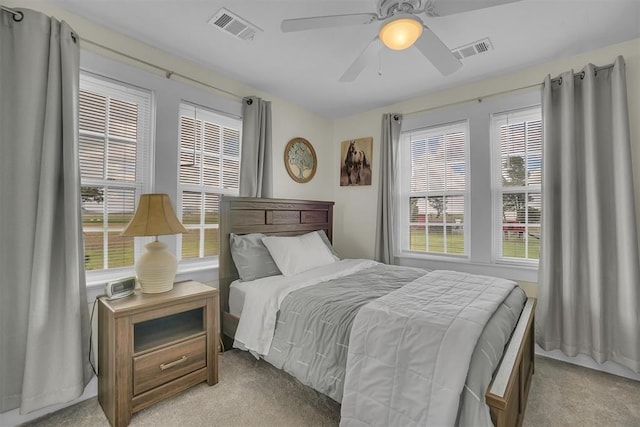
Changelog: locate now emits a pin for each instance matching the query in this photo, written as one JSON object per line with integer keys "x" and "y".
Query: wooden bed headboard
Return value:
{"x": 282, "y": 217}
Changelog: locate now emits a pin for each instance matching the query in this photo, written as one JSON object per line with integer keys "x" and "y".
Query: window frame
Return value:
{"x": 194, "y": 110}
{"x": 522, "y": 114}
{"x": 108, "y": 86}
{"x": 403, "y": 224}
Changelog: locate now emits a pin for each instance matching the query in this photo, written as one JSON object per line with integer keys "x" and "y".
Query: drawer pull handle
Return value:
{"x": 164, "y": 366}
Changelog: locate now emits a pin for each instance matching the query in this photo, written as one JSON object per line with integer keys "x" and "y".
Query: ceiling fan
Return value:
{"x": 401, "y": 28}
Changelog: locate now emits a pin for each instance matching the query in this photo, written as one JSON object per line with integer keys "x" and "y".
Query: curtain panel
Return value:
{"x": 256, "y": 175}
{"x": 44, "y": 338}
{"x": 589, "y": 271}
{"x": 387, "y": 191}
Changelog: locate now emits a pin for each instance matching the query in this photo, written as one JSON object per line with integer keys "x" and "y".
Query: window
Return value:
{"x": 517, "y": 141}
{"x": 114, "y": 144}
{"x": 436, "y": 197}
{"x": 209, "y": 168}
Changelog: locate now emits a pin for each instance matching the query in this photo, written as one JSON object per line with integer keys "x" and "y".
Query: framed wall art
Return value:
{"x": 300, "y": 160}
{"x": 355, "y": 161}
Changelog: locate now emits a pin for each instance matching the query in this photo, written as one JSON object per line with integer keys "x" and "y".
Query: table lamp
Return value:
{"x": 154, "y": 216}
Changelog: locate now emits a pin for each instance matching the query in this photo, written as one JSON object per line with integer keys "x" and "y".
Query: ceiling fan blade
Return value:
{"x": 367, "y": 56}
{"x": 450, "y": 7}
{"x": 437, "y": 52}
{"x": 303, "y": 24}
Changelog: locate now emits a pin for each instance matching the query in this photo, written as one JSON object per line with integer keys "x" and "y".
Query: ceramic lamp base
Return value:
{"x": 156, "y": 269}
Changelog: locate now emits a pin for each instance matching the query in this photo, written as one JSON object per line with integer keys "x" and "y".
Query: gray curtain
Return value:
{"x": 589, "y": 274}
{"x": 389, "y": 143}
{"x": 44, "y": 333}
{"x": 256, "y": 177}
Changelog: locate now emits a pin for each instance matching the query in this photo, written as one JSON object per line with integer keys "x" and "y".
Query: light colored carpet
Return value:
{"x": 568, "y": 395}
{"x": 254, "y": 393}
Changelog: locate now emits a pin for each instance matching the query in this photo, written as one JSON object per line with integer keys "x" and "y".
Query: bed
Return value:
{"x": 506, "y": 395}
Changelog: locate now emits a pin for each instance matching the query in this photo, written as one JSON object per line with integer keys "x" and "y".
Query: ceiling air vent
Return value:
{"x": 471, "y": 49}
{"x": 232, "y": 24}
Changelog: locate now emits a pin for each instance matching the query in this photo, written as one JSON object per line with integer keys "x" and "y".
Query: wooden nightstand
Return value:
{"x": 151, "y": 346}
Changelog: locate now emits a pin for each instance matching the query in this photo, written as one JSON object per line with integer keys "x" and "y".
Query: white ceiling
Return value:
{"x": 304, "y": 67}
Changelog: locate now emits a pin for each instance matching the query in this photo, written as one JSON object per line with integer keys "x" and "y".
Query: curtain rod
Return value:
{"x": 581, "y": 73}
{"x": 491, "y": 95}
{"x": 17, "y": 15}
{"x": 167, "y": 73}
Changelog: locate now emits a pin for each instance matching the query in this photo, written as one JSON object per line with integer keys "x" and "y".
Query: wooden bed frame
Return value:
{"x": 507, "y": 393}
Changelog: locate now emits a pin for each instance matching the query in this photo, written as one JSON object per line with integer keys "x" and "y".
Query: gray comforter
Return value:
{"x": 410, "y": 350}
{"x": 312, "y": 334}
{"x": 312, "y": 331}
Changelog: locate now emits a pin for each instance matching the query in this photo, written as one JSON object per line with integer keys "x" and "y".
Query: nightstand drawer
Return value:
{"x": 161, "y": 366}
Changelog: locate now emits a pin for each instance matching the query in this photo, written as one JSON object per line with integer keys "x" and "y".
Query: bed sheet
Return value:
{"x": 237, "y": 292}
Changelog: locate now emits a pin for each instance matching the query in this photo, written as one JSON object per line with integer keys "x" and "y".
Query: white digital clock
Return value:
{"x": 120, "y": 288}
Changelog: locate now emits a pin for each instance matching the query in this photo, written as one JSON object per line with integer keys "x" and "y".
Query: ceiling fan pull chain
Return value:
{"x": 379, "y": 58}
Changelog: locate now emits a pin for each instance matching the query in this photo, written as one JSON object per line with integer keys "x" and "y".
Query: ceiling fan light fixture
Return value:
{"x": 401, "y": 32}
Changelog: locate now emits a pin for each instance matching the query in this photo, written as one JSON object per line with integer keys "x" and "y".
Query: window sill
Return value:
{"x": 527, "y": 272}
{"x": 101, "y": 277}
{"x": 202, "y": 264}
{"x": 203, "y": 270}
{"x": 434, "y": 256}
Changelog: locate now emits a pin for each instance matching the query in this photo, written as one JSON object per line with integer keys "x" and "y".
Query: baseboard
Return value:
{"x": 587, "y": 362}
{"x": 13, "y": 418}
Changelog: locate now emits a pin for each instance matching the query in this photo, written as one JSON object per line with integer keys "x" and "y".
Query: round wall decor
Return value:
{"x": 300, "y": 160}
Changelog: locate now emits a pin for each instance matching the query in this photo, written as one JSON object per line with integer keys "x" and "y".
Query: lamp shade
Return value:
{"x": 153, "y": 217}
{"x": 156, "y": 268}
{"x": 401, "y": 31}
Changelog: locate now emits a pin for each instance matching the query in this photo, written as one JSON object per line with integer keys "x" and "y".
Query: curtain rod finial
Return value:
{"x": 17, "y": 15}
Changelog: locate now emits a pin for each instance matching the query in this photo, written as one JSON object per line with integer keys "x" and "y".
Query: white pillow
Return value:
{"x": 296, "y": 254}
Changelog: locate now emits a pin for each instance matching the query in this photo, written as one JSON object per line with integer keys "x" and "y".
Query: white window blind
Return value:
{"x": 209, "y": 168}
{"x": 436, "y": 189}
{"x": 114, "y": 145}
{"x": 517, "y": 141}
